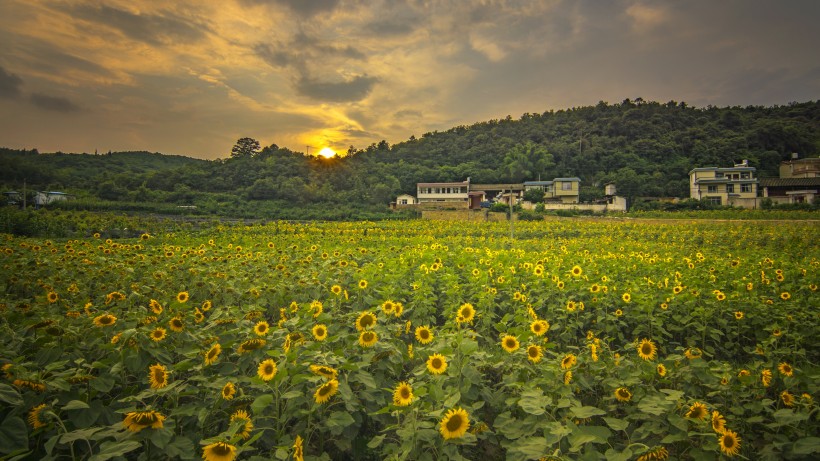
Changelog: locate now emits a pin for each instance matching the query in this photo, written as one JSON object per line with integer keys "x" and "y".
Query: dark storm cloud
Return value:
{"x": 352, "y": 90}
{"x": 9, "y": 85}
{"x": 53, "y": 103}
{"x": 303, "y": 8}
{"x": 149, "y": 28}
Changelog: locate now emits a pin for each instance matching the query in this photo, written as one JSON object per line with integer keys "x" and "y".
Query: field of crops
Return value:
{"x": 621, "y": 340}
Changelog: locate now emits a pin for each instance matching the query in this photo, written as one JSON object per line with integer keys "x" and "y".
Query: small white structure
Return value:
{"x": 405, "y": 199}
{"x": 47, "y": 198}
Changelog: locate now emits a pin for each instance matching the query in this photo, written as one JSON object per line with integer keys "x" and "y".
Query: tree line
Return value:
{"x": 646, "y": 148}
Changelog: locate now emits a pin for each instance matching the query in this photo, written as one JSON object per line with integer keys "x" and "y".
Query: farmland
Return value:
{"x": 616, "y": 340}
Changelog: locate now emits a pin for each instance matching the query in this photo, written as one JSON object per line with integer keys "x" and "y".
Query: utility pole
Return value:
{"x": 24, "y": 194}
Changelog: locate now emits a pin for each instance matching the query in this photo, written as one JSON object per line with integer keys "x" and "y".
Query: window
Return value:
{"x": 711, "y": 189}
{"x": 566, "y": 186}
{"x": 403, "y": 201}
{"x": 718, "y": 175}
{"x": 730, "y": 188}
{"x": 745, "y": 175}
{"x": 712, "y": 200}
{"x": 746, "y": 188}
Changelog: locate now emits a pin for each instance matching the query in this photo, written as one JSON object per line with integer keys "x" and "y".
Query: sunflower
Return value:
{"x": 718, "y": 422}
{"x": 454, "y": 424}
{"x": 661, "y": 370}
{"x": 739, "y": 315}
{"x": 317, "y": 307}
{"x": 577, "y": 271}
{"x": 677, "y": 289}
{"x": 182, "y": 297}
{"x": 155, "y": 306}
{"x": 298, "y": 450}
{"x": 322, "y": 370}
{"x": 785, "y": 369}
{"x": 105, "y": 320}
{"x": 219, "y": 451}
{"x": 206, "y": 305}
{"x": 52, "y": 297}
{"x": 534, "y": 353}
{"x": 336, "y": 290}
{"x": 720, "y": 296}
{"x": 319, "y": 332}
{"x": 158, "y": 376}
{"x": 326, "y": 391}
{"x": 198, "y": 315}
{"x": 362, "y": 284}
{"x": 436, "y": 364}
{"x": 398, "y": 309}
{"x": 570, "y": 306}
{"x": 658, "y": 453}
{"x": 567, "y": 377}
{"x": 136, "y": 421}
{"x": 697, "y": 411}
{"x": 228, "y": 391}
{"x": 424, "y": 335}
{"x": 261, "y": 328}
{"x": 539, "y": 327}
{"x": 618, "y": 312}
{"x": 267, "y": 370}
{"x": 509, "y": 343}
{"x": 766, "y": 377}
{"x": 787, "y": 398}
{"x": 729, "y": 443}
{"x": 368, "y": 338}
{"x": 247, "y": 427}
{"x": 251, "y": 345}
{"x": 158, "y": 334}
{"x": 34, "y": 416}
{"x": 568, "y": 361}
{"x": 213, "y": 354}
{"x": 365, "y": 321}
{"x": 626, "y": 297}
{"x": 693, "y": 353}
{"x": 647, "y": 349}
{"x": 176, "y": 324}
{"x": 403, "y": 395}
{"x": 466, "y": 313}
{"x": 785, "y": 296}
{"x": 623, "y": 394}
{"x": 388, "y": 307}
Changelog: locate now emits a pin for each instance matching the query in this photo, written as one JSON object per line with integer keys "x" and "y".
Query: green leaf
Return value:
{"x": 263, "y": 401}
{"x": 366, "y": 379}
{"x": 13, "y": 434}
{"x": 806, "y": 446}
{"x": 586, "y": 412}
{"x": 612, "y": 455}
{"x": 338, "y": 421}
{"x": 527, "y": 448}
{"x": 110, "y": 450}
{"x": 468, "y": 346}
{"x": 616, "y": 424}
{"x": 83, "y": 434}
{"x": 10, "y": 395}
{"x": 181, "y": 447}
{"x": 452, "y": 400}
{"x": 75, "y": 405}
{"x": 534, "y": 402}
{"x": 375, "y": 441}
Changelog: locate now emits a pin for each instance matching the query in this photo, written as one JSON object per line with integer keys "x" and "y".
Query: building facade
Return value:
{"x": 735, "y": 186}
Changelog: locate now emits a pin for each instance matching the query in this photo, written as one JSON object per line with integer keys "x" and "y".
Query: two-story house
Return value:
{"x": 564, "y": 190}
{"x": 799, "y": 181}
{"x": 736, "y": 186}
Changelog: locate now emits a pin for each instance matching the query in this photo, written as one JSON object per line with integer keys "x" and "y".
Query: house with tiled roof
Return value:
{"x": 735, "y": 186}
{"x": 799, "y": 181}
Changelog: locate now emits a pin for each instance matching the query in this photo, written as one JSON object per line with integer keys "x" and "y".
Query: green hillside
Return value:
{"x": 646, "y": 148}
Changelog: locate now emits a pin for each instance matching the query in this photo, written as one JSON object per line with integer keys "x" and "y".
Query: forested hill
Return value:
{"x": 646, "y": 148}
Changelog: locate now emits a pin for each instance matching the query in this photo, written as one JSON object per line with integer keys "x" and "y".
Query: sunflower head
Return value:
{"x": 454, "y": 424}
{"x": 267, "y": 370}
{"x": 403, "y": 395}
{"x": 323, "y": 370}
{"x": 213, "y": 354}
{"x": 158, "y": 334}
{"x": 319, "y": 332}
{"x": 436, "y": 364}
{"x": 534, "y": 353}
{"x": 228, "y": 391}
{"x": 697, "y": 411}
{"x": 424, "y": 335}
{"x": 182, "y": 297}
{"x": 261, "y": 328}
{"x": 365, "y": 321}
{"x": 729, "y": 443}
{"x": 466, "y": 313}
{"x": 219, "y": 451}
{"x": 326, "y": 391}
{"x": 105, "y": 320}
{"x": 568, "y": 361}
{"x": 647, "y": 349}
{"x": 509, "y": 343}
{"x": 247, "y": 426}
{"x": 368, "y": 338}
{"x": 157, "y": 376}
{"x": 785, "y": 369}
{"x": 718, "y": 422}
{"x": 539, "y": 327}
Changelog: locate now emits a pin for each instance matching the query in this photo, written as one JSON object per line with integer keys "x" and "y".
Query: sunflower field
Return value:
{"x": 418, "y": 340}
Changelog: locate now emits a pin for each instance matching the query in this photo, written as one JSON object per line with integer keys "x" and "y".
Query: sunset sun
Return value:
{"x": 327, "y": 152}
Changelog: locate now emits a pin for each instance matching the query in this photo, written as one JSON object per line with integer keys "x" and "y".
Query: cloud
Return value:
{"x": 645, "y": 17}
{"x": 9, "y": 85}
{"x": 352, "y": 90}
{"x": 154, "y": 29}
{"x": 303, "y": 8}
{"x": 53, "y": 103}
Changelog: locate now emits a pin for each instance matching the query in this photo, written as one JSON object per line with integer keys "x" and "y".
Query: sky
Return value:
{"x": 191, "y": 77}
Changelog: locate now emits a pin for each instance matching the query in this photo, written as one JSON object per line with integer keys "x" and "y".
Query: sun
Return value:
{"x": 327, "y": 152}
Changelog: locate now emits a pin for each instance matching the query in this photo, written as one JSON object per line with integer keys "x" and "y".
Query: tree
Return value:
{"x": 524, "y": 161}
{"x": 245, "y": 148}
